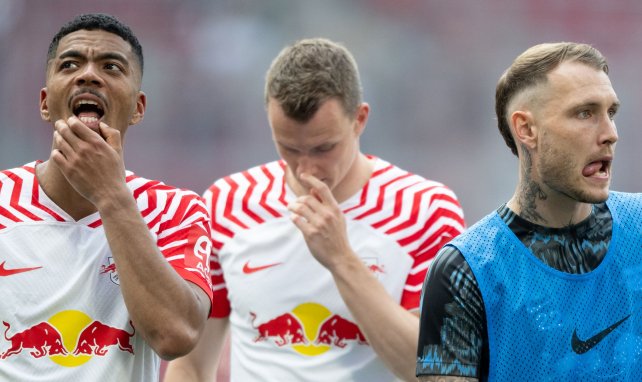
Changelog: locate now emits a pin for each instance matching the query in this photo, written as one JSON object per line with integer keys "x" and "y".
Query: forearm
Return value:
{"x": 391, "y": 330}
{"x": 168, "y": 311}
{"x": 201, "y": 364}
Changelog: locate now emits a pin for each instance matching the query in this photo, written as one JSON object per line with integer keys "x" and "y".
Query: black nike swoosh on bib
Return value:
{"x": 581, "y": 347}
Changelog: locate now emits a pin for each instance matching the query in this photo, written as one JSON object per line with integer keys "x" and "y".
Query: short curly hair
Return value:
{"x": 97, "y": 21}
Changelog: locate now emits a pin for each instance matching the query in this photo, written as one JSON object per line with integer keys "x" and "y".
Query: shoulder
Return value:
{"x": 26, "y": 171}
{"x": 16, "y": 180}
{"x": 394, "y": 176}
{"x": 261, "y": 176}
{"x": 623, "y": 197}
{"x": 156, "y": 192}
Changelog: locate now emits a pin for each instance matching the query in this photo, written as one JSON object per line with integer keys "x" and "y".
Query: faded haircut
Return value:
{"x": 531, "y": 68}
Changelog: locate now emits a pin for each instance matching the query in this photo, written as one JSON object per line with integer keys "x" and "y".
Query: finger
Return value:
{"x": 82, "y": 131}
{"x": 317, "y": 188}
{"x": 303, "y": 207}
{"x": 111, "y": 135}
{"x": 65, "y": 133}
{"x": 301, "y": 223}
{"x": 62, "y": 146}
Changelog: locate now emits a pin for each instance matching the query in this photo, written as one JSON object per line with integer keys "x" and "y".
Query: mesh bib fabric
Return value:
{"x": 547, "y": 325}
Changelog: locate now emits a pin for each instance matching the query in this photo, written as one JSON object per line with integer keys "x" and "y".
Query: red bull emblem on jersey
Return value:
{"x": 98, "y": 337}
{"x": 110, "y": 269}
{"x": 42, "y": 338}
{"x": 310, "y": 329}
{"x": 66, "y": 331}
{"x": 372, "y": 263}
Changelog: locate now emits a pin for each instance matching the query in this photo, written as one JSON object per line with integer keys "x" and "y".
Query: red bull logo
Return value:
{"x": 376, "y": 269}
{"x": 70, "y": 329}
{"x": 337, "y": 330}
{"x": 285, "y": 330}
{"x": 43, "y": 338}
{"x": 97, "y": 337}
{"x": 310, "y": 329}
{"x": 374, "y": 266}
{"x": 110, "y": 269}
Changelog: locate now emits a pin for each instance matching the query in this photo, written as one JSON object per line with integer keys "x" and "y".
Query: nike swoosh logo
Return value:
{"x": 581, "y": 347}
{"x": 247, "y": 269}
{"x": 8, "y": 272}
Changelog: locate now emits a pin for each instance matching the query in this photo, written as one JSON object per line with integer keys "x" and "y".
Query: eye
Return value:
{"x": 584, "y": 114}
{"x": 325, "y": 148}
{"x": 612, "y": 113}
{"x": 68, "y": 65}
{"x": 288, "y": 150}
{"x": 113, "y": 67}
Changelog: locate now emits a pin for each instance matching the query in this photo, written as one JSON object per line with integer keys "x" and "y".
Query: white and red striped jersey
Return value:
{"x": 62, "y": 310}
{"x": 288, "y": 320}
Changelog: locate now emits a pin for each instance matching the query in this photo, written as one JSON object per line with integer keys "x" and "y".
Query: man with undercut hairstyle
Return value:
{"x": 547, "y": 287}
{"x": 318, "y": 258}
{"x": 101, "y": 271}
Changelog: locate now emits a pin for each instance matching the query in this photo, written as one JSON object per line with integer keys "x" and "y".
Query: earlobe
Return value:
{"x": 44, "y": 108}
{"x": 524, "y": 128}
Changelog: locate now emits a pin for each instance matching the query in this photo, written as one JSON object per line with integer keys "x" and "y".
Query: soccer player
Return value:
{"x": 319, "y": 258}
{"x": 547, "y": 287}
{"x": 101, "y": 271}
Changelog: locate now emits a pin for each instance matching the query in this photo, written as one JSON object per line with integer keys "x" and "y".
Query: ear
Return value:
{"x": 44, "y": 108}
{"x": 139, "y": 113}
{"x": 524, "y": 129}
{"x": 361, "y": 118}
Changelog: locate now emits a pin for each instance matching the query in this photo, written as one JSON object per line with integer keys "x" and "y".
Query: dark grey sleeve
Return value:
{"x": 453, "y": 338}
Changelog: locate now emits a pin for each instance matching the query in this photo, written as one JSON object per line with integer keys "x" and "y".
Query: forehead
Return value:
{"x": 573, "y": 81}
{"x": 329, "y": 123}
{"x": 87, "y": 41}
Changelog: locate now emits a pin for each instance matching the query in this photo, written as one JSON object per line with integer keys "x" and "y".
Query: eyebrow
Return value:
{"x": 591, "y": 104}
{"x": 101, "y": 56}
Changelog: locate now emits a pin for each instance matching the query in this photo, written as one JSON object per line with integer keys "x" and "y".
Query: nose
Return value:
{"x": 89, "y": 76}
{"x": 305, "y": 164}
{"x": 609, "y": 134}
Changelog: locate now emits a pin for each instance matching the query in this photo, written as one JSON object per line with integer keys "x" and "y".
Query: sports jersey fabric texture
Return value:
{"x": 544, "y": 324}
{"x": 453, "y": 336}
{"x": 288, "y": 321}
{"x": 63, "y": 313}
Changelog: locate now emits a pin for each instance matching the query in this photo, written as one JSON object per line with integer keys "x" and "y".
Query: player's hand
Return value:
{"x": 90, "y": 160}
{"x": 319, "y": 218}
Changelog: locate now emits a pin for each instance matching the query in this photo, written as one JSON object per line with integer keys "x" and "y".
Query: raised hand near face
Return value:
{"x": 319, "y": 218}
{"x": 91, "y": 160}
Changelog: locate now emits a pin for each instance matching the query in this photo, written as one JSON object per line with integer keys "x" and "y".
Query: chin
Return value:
{"x": 594, "y": 197}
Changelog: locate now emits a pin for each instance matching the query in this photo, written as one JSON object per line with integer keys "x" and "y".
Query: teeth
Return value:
{"x": 86, "y": 102}
{"x": 88, "y": 119}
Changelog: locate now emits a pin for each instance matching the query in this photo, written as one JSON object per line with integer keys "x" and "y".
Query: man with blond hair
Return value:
{"x": 547, "y": 286}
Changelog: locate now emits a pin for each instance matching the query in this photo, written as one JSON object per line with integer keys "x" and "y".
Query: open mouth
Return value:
{"x": 89, "y": 112}
{"x": 599, "y": 168}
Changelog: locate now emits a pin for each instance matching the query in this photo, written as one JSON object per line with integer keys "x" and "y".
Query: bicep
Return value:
{"x": 203, "y": 300}
{"x": 452, "y": 324}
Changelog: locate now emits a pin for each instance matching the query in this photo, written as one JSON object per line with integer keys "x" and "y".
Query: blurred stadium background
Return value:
{"x": 428, "y": 67}
{"x": 429, "y": 70}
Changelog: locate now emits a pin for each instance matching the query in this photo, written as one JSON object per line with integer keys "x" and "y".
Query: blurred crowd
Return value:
{"x": 429, "y": 72}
